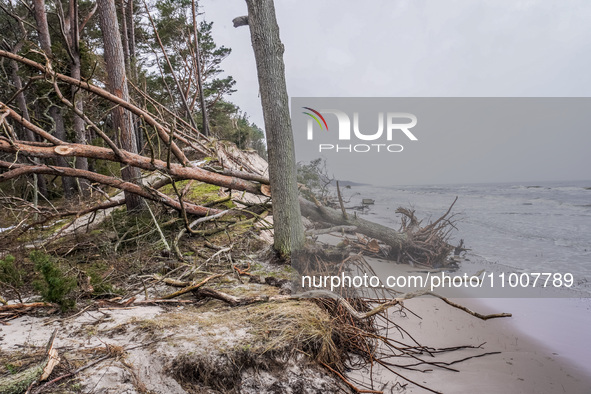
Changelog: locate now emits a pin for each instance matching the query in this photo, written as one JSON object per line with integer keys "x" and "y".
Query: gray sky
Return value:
{"x": 431, "y": 48}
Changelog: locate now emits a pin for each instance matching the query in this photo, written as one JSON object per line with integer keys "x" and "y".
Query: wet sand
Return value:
{"x": 524, "y": 365}
{"x": 545, "y": 347}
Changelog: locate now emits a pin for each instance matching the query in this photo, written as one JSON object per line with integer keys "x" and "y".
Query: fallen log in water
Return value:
{"x": 414, "y": 244}
{"x": 325, "y": 214}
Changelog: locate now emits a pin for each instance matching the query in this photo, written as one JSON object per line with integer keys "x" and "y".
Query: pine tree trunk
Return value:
{"x": 41, "y": 185}
{"x": 131, "y": 39}
{"x": 68, "y": 184}
{"x": 268, "y": 50}
{"x": 115, "y": 64}
{"x": 204, "y": 114}
{"x": 75, "y": 72}
{"x": 125, "y": 37}
{"x": 128, "y": 36}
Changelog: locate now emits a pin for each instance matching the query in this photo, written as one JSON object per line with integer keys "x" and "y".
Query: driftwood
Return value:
{"x": 191, "y": 287}
{"x": 12, "y": 311}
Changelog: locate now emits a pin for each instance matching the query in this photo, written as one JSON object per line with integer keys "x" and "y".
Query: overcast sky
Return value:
{"x": 429, "y": 48}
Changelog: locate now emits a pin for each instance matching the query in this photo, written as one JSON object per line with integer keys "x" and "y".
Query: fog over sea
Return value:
{"x": 530, "y": 227}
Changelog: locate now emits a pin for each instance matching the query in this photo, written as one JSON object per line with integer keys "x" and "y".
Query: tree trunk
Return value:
{"x": 268, "y": 51}
{"x": 131, "y": 39}
{"x": 125, "y": 37}
{"x": 16, "y": 170}
{"x": 129, "y": 159}
{"x": 40, "y": 184}
{"x": 385, "y": 234}
{"x": 42, "y": 26}
{"x": 129, "y": 63}
{"x": 75, "y": 72}
{"x": 115, "y": 64}
{"x": 68, "y": 184}
{"x": 204, "y": 114}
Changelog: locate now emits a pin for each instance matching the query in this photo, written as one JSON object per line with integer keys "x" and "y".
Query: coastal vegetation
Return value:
{"x": 140, "y": 219}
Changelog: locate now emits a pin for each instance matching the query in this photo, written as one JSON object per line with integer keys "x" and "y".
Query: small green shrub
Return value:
{"x": 9, "y": 273}
{"x": 53, "y": 285}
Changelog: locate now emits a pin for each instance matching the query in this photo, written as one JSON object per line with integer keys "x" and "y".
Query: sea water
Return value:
{"x": 531, "y": 227}
{"x": 512, "y": 227}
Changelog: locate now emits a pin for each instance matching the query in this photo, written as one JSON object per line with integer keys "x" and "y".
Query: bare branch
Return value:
{"x": 240, "y": 21}
{"x": 163, "y": 133}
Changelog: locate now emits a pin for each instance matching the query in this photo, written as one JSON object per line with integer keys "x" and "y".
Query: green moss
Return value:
{"x": 13, "y": 369}
{"x": 198, "y": 193}
{"x": 228, "y": 204}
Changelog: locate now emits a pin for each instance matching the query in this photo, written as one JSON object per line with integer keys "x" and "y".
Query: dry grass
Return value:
{"x": 271, "y": 334}
{"x": 287, "y": 327}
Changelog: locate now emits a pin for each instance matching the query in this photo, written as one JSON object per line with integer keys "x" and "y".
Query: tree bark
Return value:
{"x": 42, "y": 26}
{"x": 387, "y": 235}
{"x": 129, "y": 159}
{"x": 129, "y": 63}
{"x": 125, "y": 37}
{"x": 68, "y": 184}
{"x": 128, "y": 187}
{"x": 41, "y": 185}
{"x": 115, "y": 64}
{"x": 131, "y": 39}
{"x": 73, "y": 42}
{"x": 72, "y": 36}
{"x": 268, "y": 51}
{"x": 204, "y": 114}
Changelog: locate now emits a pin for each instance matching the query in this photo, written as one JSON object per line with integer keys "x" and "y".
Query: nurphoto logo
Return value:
{"x": 396, "y": 124}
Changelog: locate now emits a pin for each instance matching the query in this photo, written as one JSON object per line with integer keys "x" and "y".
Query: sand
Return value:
{"x": 524, "y": 365}
{"x": 544, "y": 347}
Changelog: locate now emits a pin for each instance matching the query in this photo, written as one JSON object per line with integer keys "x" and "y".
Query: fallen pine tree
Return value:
{"x": 413, "y": 243}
